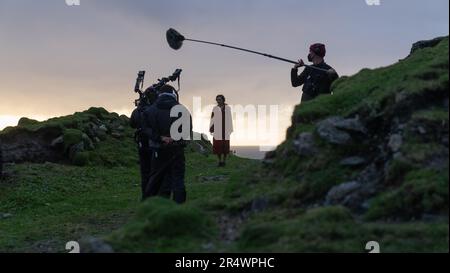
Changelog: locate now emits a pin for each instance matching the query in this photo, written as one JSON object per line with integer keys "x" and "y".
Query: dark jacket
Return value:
{"x": 137, "y": 122}
{"x": 315, "y": 82}
{"x": 158, "y": 121}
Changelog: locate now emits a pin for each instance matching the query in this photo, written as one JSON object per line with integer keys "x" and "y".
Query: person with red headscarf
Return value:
{"x": 315, "y": 82}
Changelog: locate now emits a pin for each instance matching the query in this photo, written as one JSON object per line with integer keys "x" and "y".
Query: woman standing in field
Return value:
{"x": 221, "y": 127}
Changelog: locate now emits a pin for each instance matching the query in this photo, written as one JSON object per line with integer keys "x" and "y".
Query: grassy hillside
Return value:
{"x": 42, "y": 206}
{"x": 369, "y": 163}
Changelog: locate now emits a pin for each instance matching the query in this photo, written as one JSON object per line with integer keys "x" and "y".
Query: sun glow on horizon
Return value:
{"x": 6, "y": 121}
{"x": 12, "y": 120}
{"x": 243, "y": 131}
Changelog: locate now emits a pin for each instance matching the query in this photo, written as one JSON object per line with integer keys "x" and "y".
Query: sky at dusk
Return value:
{"x": 57, "y": 59}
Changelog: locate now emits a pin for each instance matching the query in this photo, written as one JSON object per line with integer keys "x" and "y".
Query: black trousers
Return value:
{"x": 145, "y": 165}
{"x": 145, "y": 161}
{"x": 168, "y": 171}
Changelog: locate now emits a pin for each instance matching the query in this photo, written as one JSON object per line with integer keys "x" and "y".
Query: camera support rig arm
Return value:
{"x": 161, "y": 82}
{"x": 138, "y": 86}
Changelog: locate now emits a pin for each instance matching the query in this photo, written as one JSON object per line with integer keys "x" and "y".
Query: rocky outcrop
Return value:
{"x": 354, "y": 194}
{"x": 378, "y": 147}
{"x": 60, "y": 140}
{"x": 426, "y": 43}
{"x": 304, "y": 144}
{"x": 338, "y": 130}
{"x": 94, "y": 245}
{"x": 20, "y": 145}
{"x": 200, "y": 145}
{"x": 353, "y": 161}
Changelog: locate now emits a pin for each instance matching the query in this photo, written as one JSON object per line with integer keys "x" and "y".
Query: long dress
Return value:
{"x": 221, "y": 126}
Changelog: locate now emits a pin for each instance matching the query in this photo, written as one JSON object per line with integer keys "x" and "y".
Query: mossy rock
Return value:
{"x": 125, "y": 120}
{"x": 259, "y": 235}
{"x": 81, "y": 159}
{"x": 72, "y": 137}
{"x": 422, "y": 153}
{"x": 396, "y": 171}
{"x": 166, "y": 218}
{"x": 423, "y": 191}
{"x": 315, "y": 184}
{"x": 439, "y": 115}
{"x": 328, "y": 214}
{"x": 25, "y": 122}
{"x": 99, "y": 112}
{"x": 161, "y": 222}
{"x": 317, "y": 230}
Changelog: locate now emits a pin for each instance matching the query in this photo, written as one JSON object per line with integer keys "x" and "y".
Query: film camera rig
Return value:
{"x": 150, "y": 94}
{"x": 146, "y": 98}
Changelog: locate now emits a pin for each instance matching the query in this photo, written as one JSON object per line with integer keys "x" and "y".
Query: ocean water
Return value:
{"x": 252, "y": 152}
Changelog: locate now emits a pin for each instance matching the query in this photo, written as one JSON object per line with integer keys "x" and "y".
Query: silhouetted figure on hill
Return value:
{"x": 315, "y": 82}
{"x": 142, "y": 135}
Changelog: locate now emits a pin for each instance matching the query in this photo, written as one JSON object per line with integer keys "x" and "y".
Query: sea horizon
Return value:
{"x": 250, "y": 152}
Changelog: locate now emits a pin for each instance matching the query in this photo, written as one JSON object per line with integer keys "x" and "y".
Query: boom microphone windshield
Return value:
{"x": 175, "y": 39}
